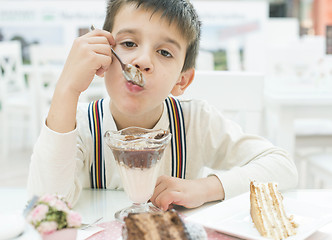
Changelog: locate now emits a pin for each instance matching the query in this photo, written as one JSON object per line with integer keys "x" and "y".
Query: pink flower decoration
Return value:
{"x": 51, "y": 213}
{"x": 38, "y": 213}
{"x": 61, "y": 205}
{"x": 74, "y": 219}
{"x": 47, "y": 227}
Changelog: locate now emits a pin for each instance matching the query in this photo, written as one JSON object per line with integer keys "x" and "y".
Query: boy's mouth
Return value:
{"x": 133, "y": 87}
{"x": 135, "y": 83}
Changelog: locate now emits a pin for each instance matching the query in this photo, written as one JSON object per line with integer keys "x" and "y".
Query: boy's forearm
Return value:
{"x": 62, "y": 114}
{"x": 213, "y": 188}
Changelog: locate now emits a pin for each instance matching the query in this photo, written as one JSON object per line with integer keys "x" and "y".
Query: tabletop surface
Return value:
{"x": 96, "y": 203}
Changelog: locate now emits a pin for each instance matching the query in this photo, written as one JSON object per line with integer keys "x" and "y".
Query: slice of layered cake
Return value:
{"x": 160, "y": 226}
{"x": 268, "y": 213}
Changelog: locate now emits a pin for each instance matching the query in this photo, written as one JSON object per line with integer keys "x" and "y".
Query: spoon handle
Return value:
{"x": 116, "y": 55}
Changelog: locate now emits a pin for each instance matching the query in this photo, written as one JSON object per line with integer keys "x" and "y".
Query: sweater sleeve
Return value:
{"x": 237, "y": 158}
{"x": 54, "y": 165}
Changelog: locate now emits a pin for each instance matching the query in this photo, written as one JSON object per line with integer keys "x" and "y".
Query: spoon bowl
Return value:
{"x": 131, "y": 73}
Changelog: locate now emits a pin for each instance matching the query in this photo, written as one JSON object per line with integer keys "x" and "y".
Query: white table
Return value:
{"x": 96, "y": 203}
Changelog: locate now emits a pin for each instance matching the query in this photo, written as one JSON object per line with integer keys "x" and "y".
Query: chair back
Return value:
{"x": 15, "y": 99}
{"x": 238, "y": 95}
{"x": 11, "y": 73}
{"x": 47, "y": 62}
{"x": 48, "y": 55}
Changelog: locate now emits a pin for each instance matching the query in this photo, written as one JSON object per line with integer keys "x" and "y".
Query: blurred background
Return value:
{"x": 276, "y": 53}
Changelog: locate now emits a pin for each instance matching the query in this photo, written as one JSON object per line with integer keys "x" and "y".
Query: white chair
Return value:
{"x": 313, "y": 138}
{"x": 95, "y": 91}
{"x": 14, "y": 98}
{"x": 205, "y": 61}
{"x": 300, "y": 66}
{"x": 47, "y": 62}
{"x": 239, "y": 95}
{"x": 314, "y": 135}
{"x": 319, "y": 170}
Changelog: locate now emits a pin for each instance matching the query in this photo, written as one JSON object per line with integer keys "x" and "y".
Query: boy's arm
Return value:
{"x": 187, "y": 193}
{"x": 54, "y": 163}
{"x": 90, "y": 55}
{"x": 232, "y": 159}
{"x": 53, "y": 170}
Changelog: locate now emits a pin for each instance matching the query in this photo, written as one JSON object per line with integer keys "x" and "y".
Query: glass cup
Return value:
{"x": 137, "y": 152}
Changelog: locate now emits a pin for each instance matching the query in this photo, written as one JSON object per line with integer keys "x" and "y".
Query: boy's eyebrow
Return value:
{"x": 127, "y": 30}
{"x": 166, "y": 39}
{"x": 172, "y": 41}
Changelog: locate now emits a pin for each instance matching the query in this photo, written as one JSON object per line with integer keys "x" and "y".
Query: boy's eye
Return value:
{"x": 165, "y": 53}
{"x": 129, "y": 44}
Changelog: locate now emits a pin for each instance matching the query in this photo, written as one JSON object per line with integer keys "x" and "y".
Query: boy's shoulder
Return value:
{"x": 190, "y": 101}
{"x": 193, "y": 104}
{"x": 198, "y": 110}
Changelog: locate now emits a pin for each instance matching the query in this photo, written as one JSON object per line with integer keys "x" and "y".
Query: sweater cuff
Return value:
{"x": 231, "y": 181}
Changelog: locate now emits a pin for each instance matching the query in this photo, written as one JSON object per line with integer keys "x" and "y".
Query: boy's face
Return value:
{"x": 155, "y": 47}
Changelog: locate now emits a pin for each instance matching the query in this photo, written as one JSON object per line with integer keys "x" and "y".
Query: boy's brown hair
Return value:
{"x": 179, "y": 11}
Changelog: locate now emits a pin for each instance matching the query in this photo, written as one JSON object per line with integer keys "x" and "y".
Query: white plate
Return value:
{"x": 14, "y": 226}
{"x": 29, "y": 234}
{"x": 232, "y": 217}
{"x": 11, "y": 225}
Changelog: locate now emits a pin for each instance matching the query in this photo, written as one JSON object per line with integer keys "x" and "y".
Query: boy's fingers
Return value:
{"x": 105, "y": 62}
{"x": 103, "y": 49}
{"x": 161, "y": 186}
{"x": 98, "y": 40}
{"x": 100, "y": 72}
{"x": 100, "y": 32}
{"x": 167, "y": 198}
{"x": 158, "y": 189}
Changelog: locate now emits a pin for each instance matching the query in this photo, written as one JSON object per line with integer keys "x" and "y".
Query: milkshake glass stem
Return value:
{"x": 135, "y": 208}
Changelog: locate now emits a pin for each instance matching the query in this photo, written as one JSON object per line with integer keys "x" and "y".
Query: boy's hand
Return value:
{"x": 187, "y": 193}
{"x": 89, "y": 55}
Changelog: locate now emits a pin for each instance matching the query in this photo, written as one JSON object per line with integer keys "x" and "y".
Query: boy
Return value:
{"x": 161, "y": 38}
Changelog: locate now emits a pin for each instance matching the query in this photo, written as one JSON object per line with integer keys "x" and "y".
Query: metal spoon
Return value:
{"x": 86, "y": 225}
{"x": 131, "y": 73}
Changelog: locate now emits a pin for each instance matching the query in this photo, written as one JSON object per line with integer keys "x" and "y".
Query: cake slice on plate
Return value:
{"x": 160, "y": 226}
{"x": 268, "y": 213}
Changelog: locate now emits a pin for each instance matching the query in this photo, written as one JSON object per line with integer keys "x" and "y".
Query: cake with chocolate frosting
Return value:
{"x": 160, "y": 226}
{"x": 268, "y": 213}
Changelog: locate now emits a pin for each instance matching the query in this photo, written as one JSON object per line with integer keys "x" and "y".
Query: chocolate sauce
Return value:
{"x": 160, "y": 135}
{"x": 137, "y": 158}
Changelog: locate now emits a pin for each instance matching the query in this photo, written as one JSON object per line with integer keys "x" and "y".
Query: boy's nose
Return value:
{"x": 143, "y": 63}
{"x": 146, "y": 69}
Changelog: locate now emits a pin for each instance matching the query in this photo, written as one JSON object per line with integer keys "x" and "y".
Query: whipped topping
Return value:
{"x": 136, "y": 75}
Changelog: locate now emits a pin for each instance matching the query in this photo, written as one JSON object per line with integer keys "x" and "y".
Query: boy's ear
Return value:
{"x": 183, "y": 82}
